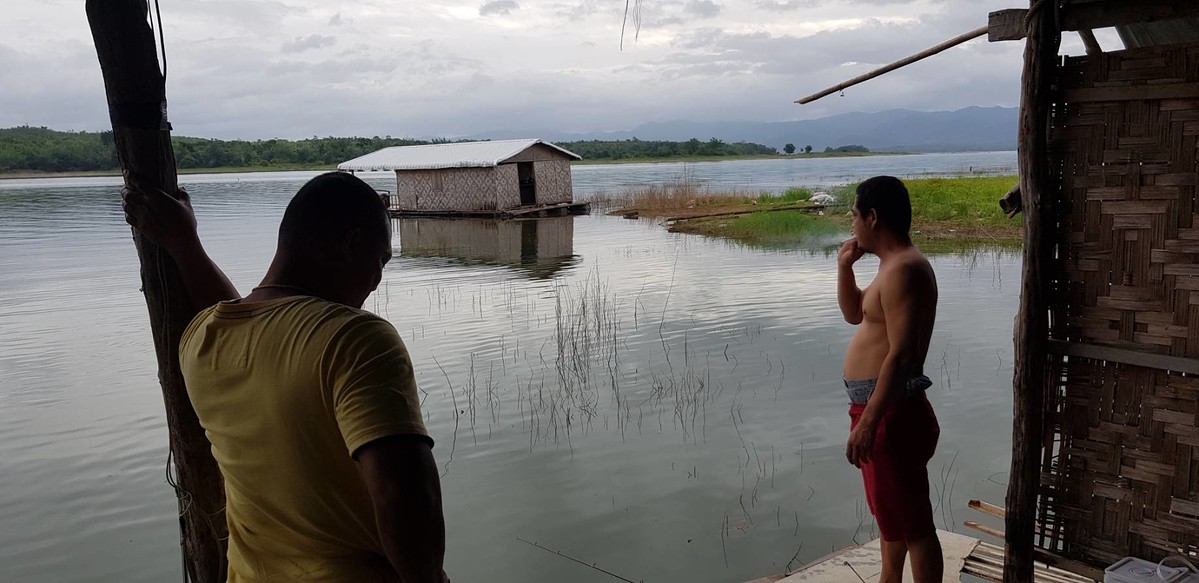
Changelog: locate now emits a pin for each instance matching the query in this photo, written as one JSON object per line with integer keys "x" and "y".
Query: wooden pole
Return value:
{"x": 953, "y": 42}
{"x": 136, "y": 90}
{"x": 1032, "y": 322}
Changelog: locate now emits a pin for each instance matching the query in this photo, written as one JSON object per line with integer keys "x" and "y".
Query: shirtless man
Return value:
{"x": 893, "y": 431}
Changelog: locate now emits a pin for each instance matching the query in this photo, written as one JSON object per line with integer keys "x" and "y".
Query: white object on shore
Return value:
{"x": 822, "y": 198}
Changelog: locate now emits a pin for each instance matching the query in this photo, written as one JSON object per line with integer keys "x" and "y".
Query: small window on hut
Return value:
{"x": 438, "y": 185}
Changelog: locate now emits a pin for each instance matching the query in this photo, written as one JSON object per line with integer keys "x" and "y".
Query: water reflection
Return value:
{"x": 667, "y": 407}
{"x": 538, "y": 247}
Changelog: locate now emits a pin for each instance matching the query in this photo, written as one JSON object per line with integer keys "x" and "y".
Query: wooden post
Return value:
{"x": 136, "y": 89}
{"x": 1032, "y": 322}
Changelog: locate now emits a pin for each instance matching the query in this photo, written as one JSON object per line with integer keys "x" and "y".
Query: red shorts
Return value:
{"x": 896, "y": 477}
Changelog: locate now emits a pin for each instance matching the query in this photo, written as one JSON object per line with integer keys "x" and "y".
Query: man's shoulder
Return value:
{"x": 198, "y": 320}
{"x": 315, "y": 319}
{"x": 345, "y": 324}
{"x": 911, "y": 269}
{"x": 913, "y": 261}
{"x": 338, "y": 311}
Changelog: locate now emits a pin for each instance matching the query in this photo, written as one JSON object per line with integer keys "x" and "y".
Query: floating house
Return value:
{"x": 495, "y": 178}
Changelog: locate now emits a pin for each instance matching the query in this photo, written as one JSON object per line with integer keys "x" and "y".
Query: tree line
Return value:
{"x": 39, "y": 149}
{"x": 45, "y": 150}
{"x": 634, "y": 148}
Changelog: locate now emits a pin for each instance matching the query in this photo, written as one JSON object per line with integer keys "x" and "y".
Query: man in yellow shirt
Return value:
{"x": 309, "y": 402}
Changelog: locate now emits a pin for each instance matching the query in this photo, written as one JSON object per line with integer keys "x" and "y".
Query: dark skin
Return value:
{"x": 399, "y": 471}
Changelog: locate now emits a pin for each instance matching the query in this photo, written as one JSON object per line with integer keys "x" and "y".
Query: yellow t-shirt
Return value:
{"x": 287, "y": 390}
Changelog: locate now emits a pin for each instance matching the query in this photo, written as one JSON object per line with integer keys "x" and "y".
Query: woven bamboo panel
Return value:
{"x": 453, "y": 189}
{"x": 1120, "y": 474}
{"x": 553, "y": 181}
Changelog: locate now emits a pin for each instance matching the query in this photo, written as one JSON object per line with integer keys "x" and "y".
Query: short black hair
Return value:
{"x": 888, "y": 198}
{"x": 329, "y": 206}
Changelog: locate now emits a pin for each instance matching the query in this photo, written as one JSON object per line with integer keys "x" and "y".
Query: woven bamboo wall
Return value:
{"x": 507, "y": 186}
{"x": 553, "y": 181}
{"x": 1121, "y": 466}
{"x": 456, "y": 189}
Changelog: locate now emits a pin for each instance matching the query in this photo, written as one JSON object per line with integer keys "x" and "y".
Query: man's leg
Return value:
{"x": 894, "y": 553}
{"x": 928, "y": 566}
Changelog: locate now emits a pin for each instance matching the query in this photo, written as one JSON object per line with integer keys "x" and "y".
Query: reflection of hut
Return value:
{"x": 475, "y": 177}
{"x": 1105, "y": 460}
{"x": 540, "y": 246}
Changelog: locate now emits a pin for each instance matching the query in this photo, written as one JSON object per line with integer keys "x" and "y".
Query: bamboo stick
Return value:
{"x": 136, "y": 91}
{"x": 987, "y": 530}
{"x": 1032, "y": 327}
{"x": 987, "y": 508}
{"x": 953, "y": 42}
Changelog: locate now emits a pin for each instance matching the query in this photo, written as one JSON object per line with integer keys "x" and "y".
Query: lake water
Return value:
{"x": 665, "y": 406}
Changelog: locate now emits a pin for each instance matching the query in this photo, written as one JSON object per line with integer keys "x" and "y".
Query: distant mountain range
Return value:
{"x": 963, "y": 130}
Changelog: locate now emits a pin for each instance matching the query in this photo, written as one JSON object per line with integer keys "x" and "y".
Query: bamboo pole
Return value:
{"x": 1032, "y": 322}
{"x": 136, "y": 91}
{"x": 953, "y": 42}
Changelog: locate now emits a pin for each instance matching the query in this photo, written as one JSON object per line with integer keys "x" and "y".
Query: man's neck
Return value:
{"x": 282, "y": 281}
{"x": 891, "y": 246}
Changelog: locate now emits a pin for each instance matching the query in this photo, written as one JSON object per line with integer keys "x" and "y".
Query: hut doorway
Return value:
{"x": 528, "y": 183}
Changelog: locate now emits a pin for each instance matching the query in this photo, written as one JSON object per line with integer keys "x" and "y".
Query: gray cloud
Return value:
{"x": 782, "y": 5}
{"x": 256, "y": 70}
{"x": 312, "y": 41}
{"x": 584, "y": 9}
{"x": 500, "y": 7}
{"x": 703, "y": 8}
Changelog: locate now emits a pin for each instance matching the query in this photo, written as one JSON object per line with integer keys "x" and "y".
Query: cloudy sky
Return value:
{"x": 297, "y": 68}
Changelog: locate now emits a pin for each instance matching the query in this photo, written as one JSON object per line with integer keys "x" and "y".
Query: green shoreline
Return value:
{"x": 24, "y": 175}
{"x": 948, "y": 215}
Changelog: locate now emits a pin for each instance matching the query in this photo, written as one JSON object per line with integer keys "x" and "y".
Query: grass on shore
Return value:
{"x": 675, "y": 195}
{"x": 775, "y": 229}
{"x": 948, "y": 214}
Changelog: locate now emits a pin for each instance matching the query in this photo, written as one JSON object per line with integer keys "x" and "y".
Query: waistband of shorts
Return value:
{"x": 860, "y": 390}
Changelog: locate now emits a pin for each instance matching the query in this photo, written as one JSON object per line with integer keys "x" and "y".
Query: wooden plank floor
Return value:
{"x": 986, "y": 562}
{"x": 963, "y": 554}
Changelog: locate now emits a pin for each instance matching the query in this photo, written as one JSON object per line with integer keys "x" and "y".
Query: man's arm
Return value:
{"x": 171, "y": 224}
{"x": 849, "y": 296}
{"x": 900, "y": 293}
{"x": 401, "y": 476}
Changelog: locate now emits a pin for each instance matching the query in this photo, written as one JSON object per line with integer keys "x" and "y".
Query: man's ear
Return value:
{"x": 870, "y": 219}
